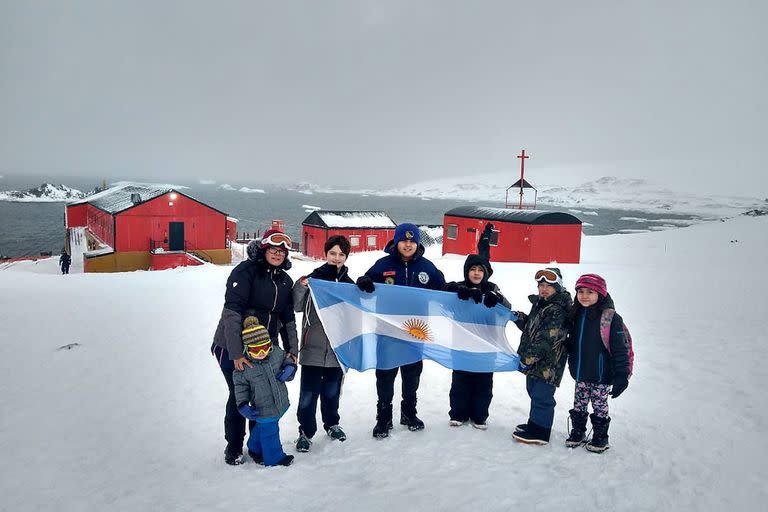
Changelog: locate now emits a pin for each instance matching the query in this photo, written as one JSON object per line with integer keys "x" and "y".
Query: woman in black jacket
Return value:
{"x": 259, "y": 286}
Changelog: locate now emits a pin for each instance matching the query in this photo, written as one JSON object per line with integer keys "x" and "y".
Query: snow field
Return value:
{"x": 132, "y": 419}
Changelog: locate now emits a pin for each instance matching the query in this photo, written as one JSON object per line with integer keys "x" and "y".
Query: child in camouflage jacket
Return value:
{"x": 543, "y": 353}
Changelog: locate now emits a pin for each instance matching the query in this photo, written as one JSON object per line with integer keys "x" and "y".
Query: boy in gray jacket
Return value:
{"x": 261, "y": 393}
{"x": 321, "y": 375}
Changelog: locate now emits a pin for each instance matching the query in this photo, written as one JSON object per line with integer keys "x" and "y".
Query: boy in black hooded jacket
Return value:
{"x": 471, "y": 392}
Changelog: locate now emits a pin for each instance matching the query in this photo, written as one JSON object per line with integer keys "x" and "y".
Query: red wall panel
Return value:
{"x": 77, "y": 215}
{"x": 315, "y": 238}
{"x": 204, "y": 227}
{"x": 517, "y": 242}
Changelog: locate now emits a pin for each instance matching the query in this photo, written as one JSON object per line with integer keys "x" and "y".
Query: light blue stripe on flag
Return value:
{"x": 398, "y": 325}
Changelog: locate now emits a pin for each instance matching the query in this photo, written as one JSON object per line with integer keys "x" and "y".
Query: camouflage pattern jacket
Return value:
{"x": 542, "y": 344}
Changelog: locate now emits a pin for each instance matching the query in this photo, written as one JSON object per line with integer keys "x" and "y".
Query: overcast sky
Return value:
{"x": 369, "y": 92}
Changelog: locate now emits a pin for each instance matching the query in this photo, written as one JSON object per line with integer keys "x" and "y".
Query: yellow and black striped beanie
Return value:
{"x": 256, "y": 341}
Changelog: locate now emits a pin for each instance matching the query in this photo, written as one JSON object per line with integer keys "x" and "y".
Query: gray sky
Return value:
{"x": 369, "y": 92}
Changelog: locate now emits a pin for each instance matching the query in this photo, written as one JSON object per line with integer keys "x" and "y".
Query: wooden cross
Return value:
{"x": 522, "y": 158}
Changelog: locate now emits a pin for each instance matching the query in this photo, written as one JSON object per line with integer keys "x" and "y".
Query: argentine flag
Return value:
{"x": 397, "y": 325}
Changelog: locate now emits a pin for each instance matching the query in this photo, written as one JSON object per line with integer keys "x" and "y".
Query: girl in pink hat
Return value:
{"x": 599, "y": 367}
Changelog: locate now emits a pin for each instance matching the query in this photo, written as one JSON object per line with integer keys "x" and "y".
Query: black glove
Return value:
{"x": 476, "y": 294}
{"x": 451, "y": 287}
{"x": 620, "y": 383}
{"x": 463, "y": 292}
{"x": 491, "y": 299}
{"x": 365, "y": 283}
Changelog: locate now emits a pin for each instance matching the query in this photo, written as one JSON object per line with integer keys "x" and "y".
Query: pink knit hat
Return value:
{"x": 593, "y": 282}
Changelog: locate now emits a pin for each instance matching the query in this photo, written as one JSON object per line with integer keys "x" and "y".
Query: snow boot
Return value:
{"x": 480, "y": 425}
{"x": 578, "y": 428}
{"x": 383, "y": 421}
{"x": 335, "y": 433}
{"x": 303, "y": 443}
{"x": 521, "y": 427}
{"x": 233, "y": 456}
{"x": 408, "y": 416}
{"x": 599, "y": 442}
{"x": 533, "y": 434}
{"x": 411, "y": 421}
{"x": 456, "y": 423}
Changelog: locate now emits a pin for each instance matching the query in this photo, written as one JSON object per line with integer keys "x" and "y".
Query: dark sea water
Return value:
{"x": 30, "y": 228}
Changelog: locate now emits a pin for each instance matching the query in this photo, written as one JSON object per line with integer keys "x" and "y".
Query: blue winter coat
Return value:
{"x": 419, "y": 272}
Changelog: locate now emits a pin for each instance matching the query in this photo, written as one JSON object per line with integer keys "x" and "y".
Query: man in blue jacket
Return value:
{"x": 405, "y": 265}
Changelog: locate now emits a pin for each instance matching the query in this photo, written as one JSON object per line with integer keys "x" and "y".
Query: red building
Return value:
{"x": 133, "y": 227}
{"x": 366, "y": 231}
{"x": 533, "y": 236}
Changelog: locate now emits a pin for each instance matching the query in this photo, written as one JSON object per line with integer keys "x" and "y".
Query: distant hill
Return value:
{"x": 45, "y": 193}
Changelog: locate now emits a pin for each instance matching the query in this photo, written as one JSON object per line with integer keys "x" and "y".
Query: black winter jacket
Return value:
{"x": 257, "y": 288}
{"x": 588, "y": 359}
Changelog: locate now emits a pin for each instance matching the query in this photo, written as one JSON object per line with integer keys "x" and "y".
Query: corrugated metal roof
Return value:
{"x": 350, "y": 219}
{"x": 513, "y": 215}
{"x": 117, "y": 199}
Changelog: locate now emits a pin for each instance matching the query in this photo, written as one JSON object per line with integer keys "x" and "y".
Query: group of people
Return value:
{"x": 261, "y": 301}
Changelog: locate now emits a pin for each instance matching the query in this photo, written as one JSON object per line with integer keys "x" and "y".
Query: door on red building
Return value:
{"x": 176, "y": 236}
{"x": 306, "y": 244}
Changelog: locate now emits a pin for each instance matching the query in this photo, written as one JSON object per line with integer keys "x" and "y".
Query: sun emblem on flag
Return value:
{"x": 418, "y": 328}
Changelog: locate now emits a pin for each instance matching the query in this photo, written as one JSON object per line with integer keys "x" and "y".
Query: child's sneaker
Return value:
{"x": 455, "y": 423}
{"x": 480, "y": 425}
{"x": 335, "y": 432}
{"x": 303, "y": 443}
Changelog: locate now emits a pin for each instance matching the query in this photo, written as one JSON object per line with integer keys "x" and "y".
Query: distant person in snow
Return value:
{"x": 258, "y": 287}
{"x": 64, "y": 262}
{"x": 471, "y": 392}
{"x": 597, "y": 370}
{"x": 404, "y": 265}
{"x": 484, "y": 244}
{"x": 543, "y": 353}
{"x": 321, "y": 375}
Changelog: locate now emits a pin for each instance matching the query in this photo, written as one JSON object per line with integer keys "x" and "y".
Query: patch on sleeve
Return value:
{"x": 234, "y": 285}
{"x": 389, "y": 273}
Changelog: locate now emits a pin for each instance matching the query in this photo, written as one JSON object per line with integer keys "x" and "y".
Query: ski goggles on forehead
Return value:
{"x": 548, "y": 276}
{"x": 278, "y": 240}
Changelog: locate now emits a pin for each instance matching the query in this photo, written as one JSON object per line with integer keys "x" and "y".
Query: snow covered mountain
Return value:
{"x": 620, "y": 187}
{"x": 45, "y": 193}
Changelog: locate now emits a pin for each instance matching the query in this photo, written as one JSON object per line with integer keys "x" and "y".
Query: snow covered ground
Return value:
{"x": 131, "y": 417}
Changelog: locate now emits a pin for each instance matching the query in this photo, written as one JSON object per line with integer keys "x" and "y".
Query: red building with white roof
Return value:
{"x": 133, "y": 227}
{"x": 366, "y": 230}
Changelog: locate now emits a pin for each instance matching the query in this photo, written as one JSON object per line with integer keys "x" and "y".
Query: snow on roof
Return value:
{"x": 120, "y": 197}
{"x": 350, "y": 219}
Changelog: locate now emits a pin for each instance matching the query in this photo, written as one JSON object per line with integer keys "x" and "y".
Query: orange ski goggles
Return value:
{"x": 278, "y": 240}
{"x": 549, "y": 276}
